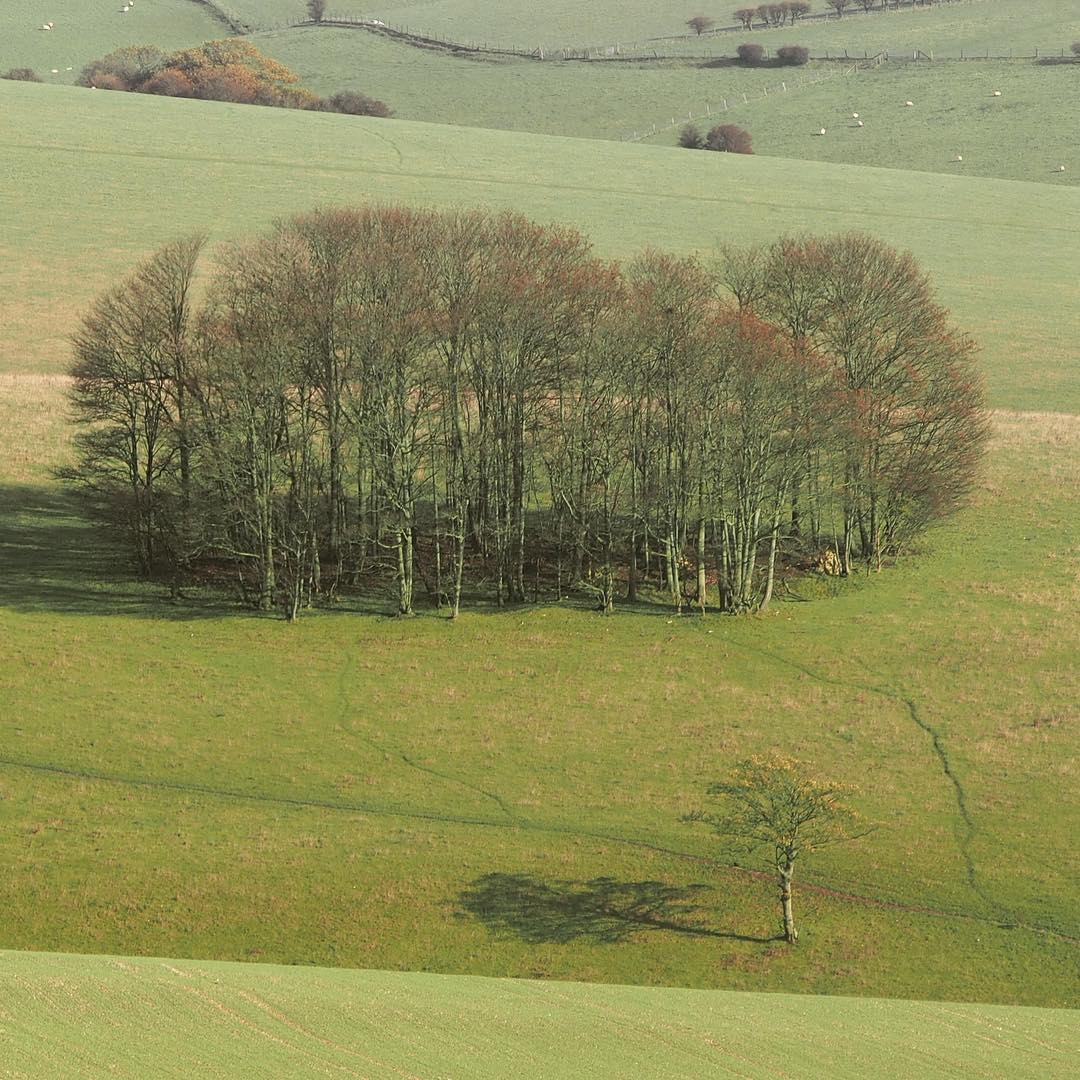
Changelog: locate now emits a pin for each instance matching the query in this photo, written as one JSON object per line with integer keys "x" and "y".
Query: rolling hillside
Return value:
{"x": 182, "y": 779}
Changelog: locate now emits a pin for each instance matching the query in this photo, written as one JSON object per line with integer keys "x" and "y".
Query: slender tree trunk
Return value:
{"x": 791, "y": 935}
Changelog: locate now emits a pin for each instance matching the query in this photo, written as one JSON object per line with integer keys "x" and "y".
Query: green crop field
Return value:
{"x": 502, "y": 796}
{"x": 268, "y": 1022}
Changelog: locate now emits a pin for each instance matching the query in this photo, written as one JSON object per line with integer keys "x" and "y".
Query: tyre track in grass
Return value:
{"x": 966, "y": 833}
{"x": 522, "y": 824}
{"x": 344, "y": 702}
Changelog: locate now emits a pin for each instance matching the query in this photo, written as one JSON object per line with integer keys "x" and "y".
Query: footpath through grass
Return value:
{"x": 87, "y": 1016}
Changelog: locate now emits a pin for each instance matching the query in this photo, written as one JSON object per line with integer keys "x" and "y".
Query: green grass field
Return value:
{"x": 86, "y": 29}
{"x": 1007, "y": 137}
{"x": 267, "y": 1022}
{"x": 969, "y": 24}
{"x": 501, "y": 796}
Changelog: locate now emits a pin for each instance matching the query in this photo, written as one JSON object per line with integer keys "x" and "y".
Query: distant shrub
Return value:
{"x": 729, "y": 139}
{"x": 110, "y": 82}
{"x": 169, "y": 82}
{"x": 354, "y": 104}
{"x": 690, "y": 138}
{"x": 21, "y": 75}
{"x": 792, "y": 55}
{"x": 227, "y": 70}
{"x": 1076, "y": 48}
{"x": 751, "y": 55}
{"x": 132, "y": 65}
{"x": 316, "y": 9}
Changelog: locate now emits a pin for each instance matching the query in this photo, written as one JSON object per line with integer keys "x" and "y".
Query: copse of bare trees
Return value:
{"x": 790, "y": 11}
{"x": 468, "y": 404}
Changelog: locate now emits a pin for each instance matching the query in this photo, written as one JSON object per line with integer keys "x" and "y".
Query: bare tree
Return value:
{"x": 316, "y": 9}
{"x": 700, "y": 23}
{"x": 774, "y": 804}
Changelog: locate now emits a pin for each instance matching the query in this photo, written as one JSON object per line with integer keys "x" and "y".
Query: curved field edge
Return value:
{"x": 82, "y": 1016}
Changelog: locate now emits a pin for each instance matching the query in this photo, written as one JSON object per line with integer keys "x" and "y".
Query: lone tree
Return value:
{"x": 751, "y": 55}
{"x": 700, "y": 23}
{"x": 690, "y": 138}
{"x": 316, "y": 9}
{"x": 772, "y": 803}
{"x": 730, "y": 139}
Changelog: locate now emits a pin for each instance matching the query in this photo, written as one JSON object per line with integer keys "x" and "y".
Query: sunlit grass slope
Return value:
{"x": 1025, "y": 134}
{"x": 85, "y": 29}
{"x": 81, "y": 1016}
{"x": 970, "y": 23}
{"x": 503, "y": 797}
{"x": 95, "y": 180}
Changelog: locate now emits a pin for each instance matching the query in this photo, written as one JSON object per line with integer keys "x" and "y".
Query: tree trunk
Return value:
{"x": 791, "y": 935}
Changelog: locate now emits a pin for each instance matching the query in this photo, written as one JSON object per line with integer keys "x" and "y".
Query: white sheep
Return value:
{"x": 859, "y": 124}
{"x": 46, "y": 26}
{"x": 997, "y": 93}
{"x": 854, "y": 116}
{"x": 821, "y": 132}
{"x": 1061, "y": 168}
{"x": 55, "y": 71}
{"x": 959, "y": 157}
{"x": 908, "y": 104}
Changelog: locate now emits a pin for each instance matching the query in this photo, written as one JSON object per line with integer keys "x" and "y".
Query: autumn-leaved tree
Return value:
{"x": 774, "y": 806}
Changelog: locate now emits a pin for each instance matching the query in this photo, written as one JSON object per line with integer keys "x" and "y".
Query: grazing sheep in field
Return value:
{"x": 959, "y": 157}
{"x": 1061, "y": 168}
{"x": 821, "y": 132}
{"x": 908, "y": 104}
{"x": 859, "y": 124}
{"x": 854, "y": 116}
{"x": 997, "y": 93}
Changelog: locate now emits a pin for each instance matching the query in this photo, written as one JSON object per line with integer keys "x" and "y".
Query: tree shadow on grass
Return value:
{"x": 54, "y": 560}
{"x": 601, "y": 910}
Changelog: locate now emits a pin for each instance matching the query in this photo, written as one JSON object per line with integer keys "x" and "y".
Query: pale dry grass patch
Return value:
{"x": 34, "y": 421}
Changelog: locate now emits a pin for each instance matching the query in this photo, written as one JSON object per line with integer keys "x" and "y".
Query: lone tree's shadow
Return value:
{"x": 602, "y": 910}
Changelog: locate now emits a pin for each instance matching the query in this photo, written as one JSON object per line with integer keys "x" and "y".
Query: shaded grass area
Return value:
{"x": 83, "y": 1015}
